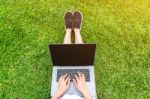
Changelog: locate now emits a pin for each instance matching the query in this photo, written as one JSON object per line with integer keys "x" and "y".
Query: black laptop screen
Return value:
{"x": 72, "y": 54}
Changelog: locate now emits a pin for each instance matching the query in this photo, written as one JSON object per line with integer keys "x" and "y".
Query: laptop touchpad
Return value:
{"x": 72, "y": 90}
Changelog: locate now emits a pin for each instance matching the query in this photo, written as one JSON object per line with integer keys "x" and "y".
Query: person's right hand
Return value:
{"x": 80, "y": 84}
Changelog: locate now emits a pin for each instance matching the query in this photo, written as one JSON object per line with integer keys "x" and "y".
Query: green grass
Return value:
{"x": 120, "y": 28}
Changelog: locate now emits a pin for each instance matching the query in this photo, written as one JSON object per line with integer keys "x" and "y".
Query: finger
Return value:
{"x": 64, "y": 77}
{"x": 60, "y": 78}
{"x": 75, "y": 82}
{"x": 83, "y": 76}
{"x": 68, "y": 82}
{"x": 80, "y": 76}
{"x": 76, "y": 78}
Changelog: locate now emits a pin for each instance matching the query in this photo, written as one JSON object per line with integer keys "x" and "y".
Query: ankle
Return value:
{"x": 76, "y": 30}
{"x": 68, "y": 30}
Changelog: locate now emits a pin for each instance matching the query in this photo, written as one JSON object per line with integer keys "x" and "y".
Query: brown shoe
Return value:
{"x": 77, "y": 19}
{"x": 68, "y": 17}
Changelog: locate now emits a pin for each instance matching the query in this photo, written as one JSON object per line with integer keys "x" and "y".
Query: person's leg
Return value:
{"x": 77, "y": 20}
{"x": 68, "y": 25}
{"x": 67, "y": 38}
{"x": 78, "y": 38}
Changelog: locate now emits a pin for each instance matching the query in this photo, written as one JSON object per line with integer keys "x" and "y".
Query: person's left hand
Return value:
{"x": 63, "y": 85}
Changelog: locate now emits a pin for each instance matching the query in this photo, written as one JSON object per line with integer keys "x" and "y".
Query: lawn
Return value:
{"x": 120, "y": 28}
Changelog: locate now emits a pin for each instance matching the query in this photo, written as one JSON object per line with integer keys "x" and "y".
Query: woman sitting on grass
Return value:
{"x": 72, "y": 22}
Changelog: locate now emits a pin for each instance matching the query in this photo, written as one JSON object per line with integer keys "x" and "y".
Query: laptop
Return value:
{"x": 71, "y": 58}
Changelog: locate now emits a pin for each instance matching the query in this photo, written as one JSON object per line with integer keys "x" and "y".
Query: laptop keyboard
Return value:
{"x": 72, "y": 72}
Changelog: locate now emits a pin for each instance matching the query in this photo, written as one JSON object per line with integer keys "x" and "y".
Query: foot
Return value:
{"x": 77, "y": 20}
{"x": 68, "y": 20}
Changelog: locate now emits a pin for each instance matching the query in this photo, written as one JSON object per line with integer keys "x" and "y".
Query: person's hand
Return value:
{"x": 80, "y": 84}
{"x": 63, "y": 85}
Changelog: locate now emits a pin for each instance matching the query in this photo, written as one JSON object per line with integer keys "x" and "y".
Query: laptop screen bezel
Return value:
{"x": 80, "y": 49}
